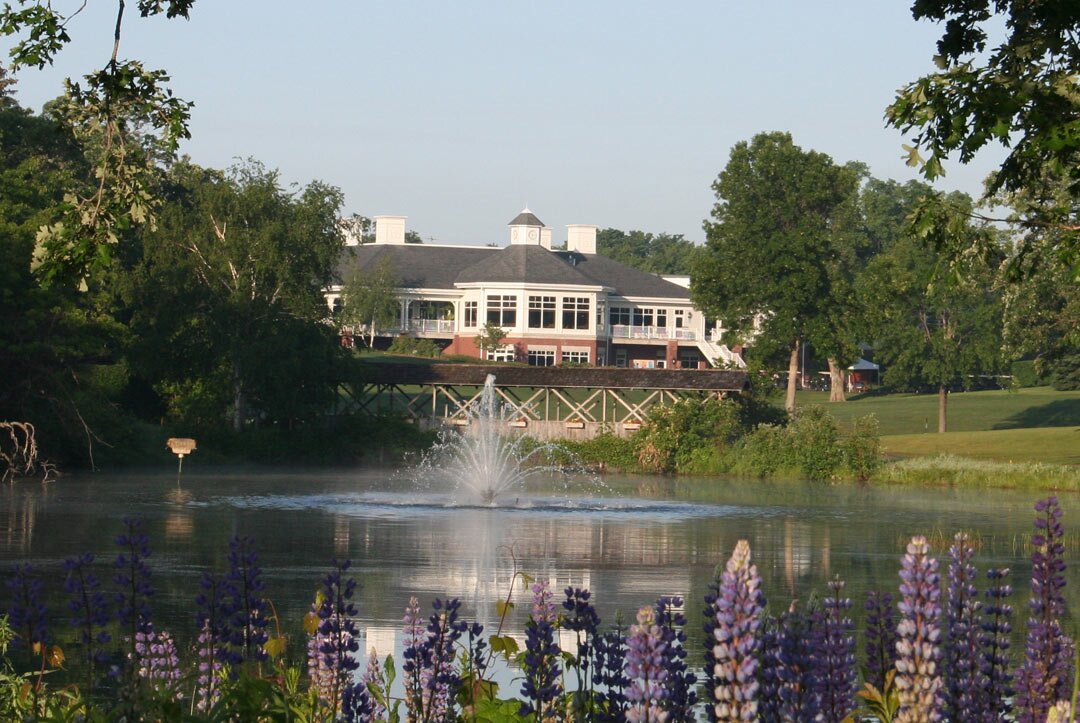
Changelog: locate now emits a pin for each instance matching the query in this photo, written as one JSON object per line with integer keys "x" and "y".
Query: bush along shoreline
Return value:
{"x": 731, "y": 437}
{"x": 739, "y": 437}
{"x": 939, "y": 650}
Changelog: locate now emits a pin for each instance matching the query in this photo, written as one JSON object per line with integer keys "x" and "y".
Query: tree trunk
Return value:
{"x": 238, "y": 397}
{"x": 836, "y": 382}
{"x": 792, "y": 373}
{"x": 942, "y": 406}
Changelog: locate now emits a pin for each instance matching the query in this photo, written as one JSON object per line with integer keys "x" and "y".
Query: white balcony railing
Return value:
{"x": 432, "y": 326}
{"x": 626, "y": 331}
{"x": 422, "y": 326}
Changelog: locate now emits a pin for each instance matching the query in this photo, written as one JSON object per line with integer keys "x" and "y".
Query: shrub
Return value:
{"x": 763, "y": 452}
{"x": 607, "y": 449}
{"x": 415, "y": 347}
{"x": 815, "y": 441}
{"x": 862, "y": 450}
{"x": 675, "y": 434}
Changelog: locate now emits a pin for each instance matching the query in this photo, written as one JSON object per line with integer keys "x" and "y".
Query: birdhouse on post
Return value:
{"x": 180, "y": 446}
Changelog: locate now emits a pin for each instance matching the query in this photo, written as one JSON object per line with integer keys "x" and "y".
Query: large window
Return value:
{"x": 575, "y": 357}
{"x": 505, "y": 353}
{"x": 575, "y": 312}
{"x": 541, "y": 312}
{"x": 620, "y": 315}
{"x": 471, "y": 313}
{"x": 643, "y": 317}
{"x": 502, "y": 310}
{"x": 541, "y": 357}
{"x": 680, "y": 318}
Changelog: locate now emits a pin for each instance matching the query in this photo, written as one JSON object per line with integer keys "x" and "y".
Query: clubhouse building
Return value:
{"x": 557, "y": 306}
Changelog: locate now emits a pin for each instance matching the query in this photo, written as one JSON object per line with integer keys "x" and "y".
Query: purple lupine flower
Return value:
{"x": 357, "y": 705}
{"x": 769, "y": 709}
{"x": 610, "y": 674}
{"x": 582, "y": 619}
{"x": 250, "y": 617}
{"x": 373, "y": 677}
{"x": 89, "y": 611}
{"x": 994, "y": 642}
{"x": 157, "y": 661}
{"x": 210, "y": 670}
{"x": 645, "y": 648}
{"x": 680, "y": 695}
{"x": 880, "y": 637}
{"x": 918, "y": 680}
{"x": 738, "y": 611}
{"x": 1046, "y": 676}
{"x": 478, "y": 658}
{"x": 837, "y": 678}
{"x": 416, "y": 656}
{"x": 441, "y": 682}
{"x": 798, "y": 639}
{"x": 541, "y": 672}
{"x": 337, "y": 632}
{"x": 133, "y": 581}
{"x": 27, "y": 613}
{"x": 319, "y": 674}
{"x": 963, "y": 620}
{"x": 213, "y": 606}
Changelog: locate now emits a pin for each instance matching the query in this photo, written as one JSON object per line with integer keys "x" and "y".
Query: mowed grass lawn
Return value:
{"x": 1038, "y": 424}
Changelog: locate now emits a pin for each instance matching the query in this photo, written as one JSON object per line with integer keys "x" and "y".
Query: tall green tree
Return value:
{"x": 227, "y": 294}
{"x": 108, "y": 111}
{"x": 773, "y": 243}
{"x": 1042, "y": 305}
{"x": 1021, "y": 93}
{"x": 54, "y": 340}
{"x": 929, "y": 326}
{"x": 655, "y": 253}
{"x": 370, "y": 300}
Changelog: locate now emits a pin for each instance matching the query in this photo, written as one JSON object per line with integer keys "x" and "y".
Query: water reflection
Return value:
{"x": 648, "y": 537}
{"x": 21, "y": 501}
{"x": 180, "y": 524}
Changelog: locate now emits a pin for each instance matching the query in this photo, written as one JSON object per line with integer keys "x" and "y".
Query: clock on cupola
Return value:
{"x": 526, "y": 228}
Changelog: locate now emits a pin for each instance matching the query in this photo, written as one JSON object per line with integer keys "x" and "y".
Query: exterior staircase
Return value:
{"x": 720, "y": 355}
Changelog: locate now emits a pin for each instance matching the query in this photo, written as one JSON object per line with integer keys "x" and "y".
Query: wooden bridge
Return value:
{"x": 555, "y": 399}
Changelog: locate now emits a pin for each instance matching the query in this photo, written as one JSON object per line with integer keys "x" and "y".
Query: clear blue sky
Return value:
{"x": 457, "y": 114}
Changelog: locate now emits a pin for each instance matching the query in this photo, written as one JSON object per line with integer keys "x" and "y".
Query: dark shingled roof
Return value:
{"x": 526, "y": 218}
{"x": 525, "y": 263}
{"x": 429, "y": 266}
{"x": 420, "y": 266}
{"x": 720, "y": 380}
{"x": 626, "y": 281}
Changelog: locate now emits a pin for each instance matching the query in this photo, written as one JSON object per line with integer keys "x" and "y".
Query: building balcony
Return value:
{"x": 434, "y": 327}
{"x": 650, "y": 333}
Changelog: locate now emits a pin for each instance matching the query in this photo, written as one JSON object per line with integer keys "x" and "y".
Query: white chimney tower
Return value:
{"x": 390, "y": 229}
{"x": 581, "y": 238}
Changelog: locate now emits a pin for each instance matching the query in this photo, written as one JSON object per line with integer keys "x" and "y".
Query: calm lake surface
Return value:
{"x": 629, "y": 540}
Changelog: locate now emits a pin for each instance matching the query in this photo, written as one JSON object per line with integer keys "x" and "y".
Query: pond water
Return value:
{"x": 629, "y": 540}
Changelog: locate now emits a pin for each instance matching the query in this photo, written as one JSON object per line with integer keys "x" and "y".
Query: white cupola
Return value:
{"x": 526, "y": 228}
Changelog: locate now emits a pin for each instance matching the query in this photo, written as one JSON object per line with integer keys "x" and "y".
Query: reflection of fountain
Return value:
{"x": 179, "y": 524}
{"x": 485, "y": 462}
